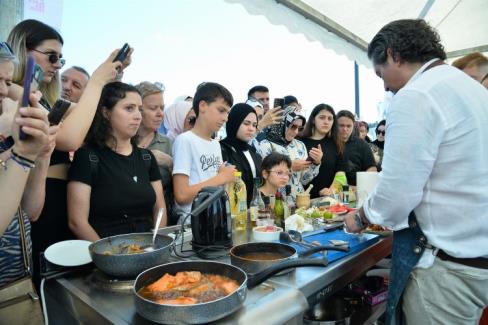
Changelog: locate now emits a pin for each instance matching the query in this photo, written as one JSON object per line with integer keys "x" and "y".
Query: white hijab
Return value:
{"x": 174, "y": 117}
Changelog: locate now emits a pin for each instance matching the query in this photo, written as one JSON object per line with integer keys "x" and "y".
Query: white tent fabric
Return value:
{"x": 462, "y": 24}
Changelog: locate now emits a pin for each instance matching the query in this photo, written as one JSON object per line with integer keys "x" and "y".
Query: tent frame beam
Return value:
{"x": 325, "y": 22}
{"x": 463, "y": 52}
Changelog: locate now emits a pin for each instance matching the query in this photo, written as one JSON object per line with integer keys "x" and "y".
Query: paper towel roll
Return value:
{"x": 365, "y": 185}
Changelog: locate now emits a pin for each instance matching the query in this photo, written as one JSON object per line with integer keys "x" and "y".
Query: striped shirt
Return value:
{"x": 11, "y": 259}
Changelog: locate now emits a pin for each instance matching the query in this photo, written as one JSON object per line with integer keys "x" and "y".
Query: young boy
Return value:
{"x": 197, "y": 157}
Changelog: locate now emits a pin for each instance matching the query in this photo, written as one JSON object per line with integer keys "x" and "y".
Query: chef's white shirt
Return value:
{"x": 436, "y": 163}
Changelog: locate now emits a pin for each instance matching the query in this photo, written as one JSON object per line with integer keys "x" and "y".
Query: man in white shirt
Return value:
{"x": 433, "y": 191}
{"x": 197, "y": 158}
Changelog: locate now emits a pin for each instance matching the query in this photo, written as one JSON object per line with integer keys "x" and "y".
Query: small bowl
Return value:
{"x": 260, "y": 233}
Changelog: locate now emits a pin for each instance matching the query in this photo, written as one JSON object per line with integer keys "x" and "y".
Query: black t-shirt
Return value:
{"x": 332, "y": 163}
{"x": 122, "y": 197}
{"x": 359, "y": 158}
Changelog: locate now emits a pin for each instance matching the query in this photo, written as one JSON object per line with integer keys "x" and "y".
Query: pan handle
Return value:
{"x": 316, "y": 249}
{"x": 256, "y": 279}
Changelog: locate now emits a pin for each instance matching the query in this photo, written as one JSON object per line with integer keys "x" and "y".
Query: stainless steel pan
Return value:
{"x": 106, "y": 255}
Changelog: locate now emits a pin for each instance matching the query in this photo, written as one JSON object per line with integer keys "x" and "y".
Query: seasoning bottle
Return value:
{"x": 257, "y": 202}
{"x": 238, "y": 202}
{"x": 289, "y": 202}
{"x": 264, "y": 214}
{"x": 279, "y": 210}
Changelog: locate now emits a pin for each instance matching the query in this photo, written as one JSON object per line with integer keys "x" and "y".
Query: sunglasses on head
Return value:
{"x": 6, "y": 50}
{"x": 53, "y": 57}
{"x": 380, "y": 132}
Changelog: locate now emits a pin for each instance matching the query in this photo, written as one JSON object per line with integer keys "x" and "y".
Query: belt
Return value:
{"x": 59, "y": 171}
{"x": 477, "y": 262}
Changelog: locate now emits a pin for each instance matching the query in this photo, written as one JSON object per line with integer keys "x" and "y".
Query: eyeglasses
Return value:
{"x": 6, "y": 50}
{"x": 380, "y": 132}
{"x": 294, "y": 127}
{"x": 280, "y": 173}
{"x": 191, "y": 120}
{"x": 53, "y": 57}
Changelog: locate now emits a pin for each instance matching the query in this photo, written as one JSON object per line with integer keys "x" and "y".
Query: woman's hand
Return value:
{"x": 163, "y": 159}
{"x": 107, "y": 71}
{"x": 299, "y": 165}
{"x": 35, "y": 124}
{"x": 326, "y": 191}
{"x": 9, "y": 108}
{"x": 48, "y": 149}
{"x": 316, "y": 154}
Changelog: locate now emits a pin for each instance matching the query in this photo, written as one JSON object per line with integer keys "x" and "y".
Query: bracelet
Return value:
{"x": 25, "y": 165}
{"x": 16, "y": 155}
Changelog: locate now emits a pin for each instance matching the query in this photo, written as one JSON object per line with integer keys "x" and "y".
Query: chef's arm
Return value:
{"x": 407, "y": 165}
{"x": 160, "y": 203}
{"x": 78, "y": 211}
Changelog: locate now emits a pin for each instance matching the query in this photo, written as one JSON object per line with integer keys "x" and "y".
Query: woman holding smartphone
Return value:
{"x": 45, "y": 44}
{"x": 321, "y": 129}
{"x": 114, "y": 186}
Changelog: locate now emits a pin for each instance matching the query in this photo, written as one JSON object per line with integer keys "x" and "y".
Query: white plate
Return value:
{"x": 69, "y": 253}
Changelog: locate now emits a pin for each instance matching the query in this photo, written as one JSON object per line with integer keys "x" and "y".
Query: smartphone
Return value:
{"x": 28, "y": 79}
{"x": 57, "y": 112}
{"x": 122, "y": 53}
{"x": 279, "y": 102}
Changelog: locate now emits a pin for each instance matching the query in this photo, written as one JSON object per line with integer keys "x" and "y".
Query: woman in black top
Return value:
{"x": 241, "y": 128}
{"x": 114, "y": 186}
{"x": 321, "y": 129}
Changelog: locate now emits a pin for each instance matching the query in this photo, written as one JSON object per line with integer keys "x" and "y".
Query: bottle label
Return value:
{"x": 253, "y": 212}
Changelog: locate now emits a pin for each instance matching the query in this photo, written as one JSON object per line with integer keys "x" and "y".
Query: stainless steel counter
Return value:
{"x": 281, "y": 300}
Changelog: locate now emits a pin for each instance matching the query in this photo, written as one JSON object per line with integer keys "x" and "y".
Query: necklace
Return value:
{"x": 132, "y": 163}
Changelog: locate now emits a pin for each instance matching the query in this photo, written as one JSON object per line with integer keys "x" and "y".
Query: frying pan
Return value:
{"x": 208, "y": 311}
{"x": 105, "y": 254}
{"x": 242, "y": 255}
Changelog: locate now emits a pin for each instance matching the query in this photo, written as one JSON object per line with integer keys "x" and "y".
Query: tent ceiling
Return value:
{"x": 462, "y": 24}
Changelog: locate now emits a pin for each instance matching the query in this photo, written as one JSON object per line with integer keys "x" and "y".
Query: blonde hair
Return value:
{"x": 147, "y": 88}
{"x": 25, "y": 36}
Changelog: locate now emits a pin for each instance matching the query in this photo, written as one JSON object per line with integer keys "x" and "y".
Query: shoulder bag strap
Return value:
{"x": 23, "y": 239}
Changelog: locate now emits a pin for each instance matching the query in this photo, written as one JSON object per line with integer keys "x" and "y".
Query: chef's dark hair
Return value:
{"x": 410, "y": 40}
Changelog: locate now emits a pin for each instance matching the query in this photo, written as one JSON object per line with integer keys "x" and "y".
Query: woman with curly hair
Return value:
{"x": 114, "y": 186}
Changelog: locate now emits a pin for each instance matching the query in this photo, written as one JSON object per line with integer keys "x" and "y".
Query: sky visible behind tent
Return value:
{"x": 183, "y": 43}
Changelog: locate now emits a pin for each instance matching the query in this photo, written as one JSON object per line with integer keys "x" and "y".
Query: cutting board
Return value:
{"x": 356, "y": 243}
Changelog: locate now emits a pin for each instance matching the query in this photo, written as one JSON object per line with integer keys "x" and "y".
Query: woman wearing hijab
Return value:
{"x": 241, "y": 128}
{"x": 179, "y": 117}
{"x": 281, "y": 138}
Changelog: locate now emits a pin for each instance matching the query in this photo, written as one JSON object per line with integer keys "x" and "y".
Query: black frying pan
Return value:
{"x": 256, "y": 257}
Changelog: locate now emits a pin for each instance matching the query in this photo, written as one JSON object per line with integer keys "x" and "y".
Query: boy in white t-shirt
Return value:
{"x": 197, "y": 157}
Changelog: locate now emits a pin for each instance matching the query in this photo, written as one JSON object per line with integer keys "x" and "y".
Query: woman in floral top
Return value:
{"x": 281, "y": 138}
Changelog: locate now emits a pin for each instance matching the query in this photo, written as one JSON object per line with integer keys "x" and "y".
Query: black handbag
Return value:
{"x": 19, "y": 302}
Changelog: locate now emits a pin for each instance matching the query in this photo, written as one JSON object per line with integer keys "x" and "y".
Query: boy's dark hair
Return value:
{"x": 410, "y": 40}
{"x": 274, "y": 159}
{"x": 210, "y": 92}
{"x": 256, "y": 89}
{"x": 100, "y": 131}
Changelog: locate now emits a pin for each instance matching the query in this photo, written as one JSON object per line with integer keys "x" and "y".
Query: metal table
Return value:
{"x": 71, "y": 299}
